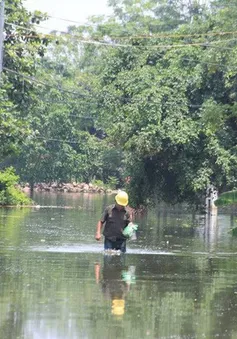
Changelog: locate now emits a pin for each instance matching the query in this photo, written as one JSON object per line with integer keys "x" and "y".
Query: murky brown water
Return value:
{"x": 178, "y": 280}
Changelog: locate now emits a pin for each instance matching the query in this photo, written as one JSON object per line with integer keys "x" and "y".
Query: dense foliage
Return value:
{"x": 149, "y": 94}
{"x": 9, "y": 193}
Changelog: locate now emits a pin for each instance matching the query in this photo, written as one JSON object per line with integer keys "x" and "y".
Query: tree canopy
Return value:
{"x": 149, "y": 93}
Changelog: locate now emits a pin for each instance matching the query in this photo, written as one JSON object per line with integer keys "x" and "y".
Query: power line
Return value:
{"x": 80, "y": 23}
{"x": 69, "y": 115}
{"x": 81, "y": 40}
{"x": 124, "y": 98}
{"x": 33, "y": 79}
{"x": 142, "y": 36}
{"x": 113, "y": 44}
{"x": 73, "y": 21}
{"x": 229, "y": 67}
{"x": 58, "y": 140}
{"x": 82, "y": 117}
{"x": 173, "y": 35}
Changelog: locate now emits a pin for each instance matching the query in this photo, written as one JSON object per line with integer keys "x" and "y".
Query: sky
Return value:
{"x": 77, "y": 10}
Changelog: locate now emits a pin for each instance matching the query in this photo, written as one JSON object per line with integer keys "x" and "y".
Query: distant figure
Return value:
{"x": 114, "y": 219}
{"x": 127, "y": 180}
{"x": 211, "y": 197}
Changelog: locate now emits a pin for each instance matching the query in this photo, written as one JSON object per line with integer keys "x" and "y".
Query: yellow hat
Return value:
{"x": 118, "y": 306}
{"x": 122, "y": 198}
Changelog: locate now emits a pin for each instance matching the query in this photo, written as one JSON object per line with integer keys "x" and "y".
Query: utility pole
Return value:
{"x": 1, "y": 33}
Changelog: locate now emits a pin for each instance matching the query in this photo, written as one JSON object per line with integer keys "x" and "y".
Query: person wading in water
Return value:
{"x": 113, "y": 221}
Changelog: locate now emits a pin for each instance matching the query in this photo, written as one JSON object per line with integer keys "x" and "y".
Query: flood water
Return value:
{"x": 177, "y": 280}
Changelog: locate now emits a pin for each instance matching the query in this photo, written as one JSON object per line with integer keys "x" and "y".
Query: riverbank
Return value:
{"x": 68, "y": 188}
{"x": 77, "y": 188}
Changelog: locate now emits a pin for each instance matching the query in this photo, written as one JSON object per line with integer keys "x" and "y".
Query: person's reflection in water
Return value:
{"x": 115, "y": 278}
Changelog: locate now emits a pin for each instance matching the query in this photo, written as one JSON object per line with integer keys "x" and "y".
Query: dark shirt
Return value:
{"x": 115, "y": 221}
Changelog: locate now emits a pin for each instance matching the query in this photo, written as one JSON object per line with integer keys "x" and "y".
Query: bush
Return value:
{"x": 112, "y": 182}
{"x": 9, "y": 194}
{"x": 98, "y": 183}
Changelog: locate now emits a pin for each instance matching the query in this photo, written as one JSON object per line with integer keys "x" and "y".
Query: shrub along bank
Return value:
{"x": 10, "y": 194}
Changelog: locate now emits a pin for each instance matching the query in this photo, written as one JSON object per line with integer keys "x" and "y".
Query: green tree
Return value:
{"x": 22, "y": 47}
{"x": 9, "y": 194}
{"x": 151, "y": 94}
{"x": 172, "y": 110}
